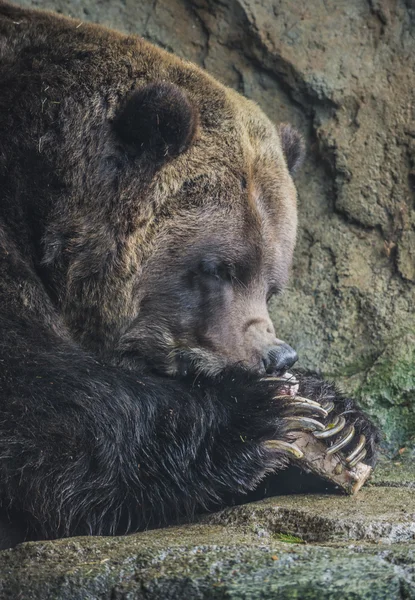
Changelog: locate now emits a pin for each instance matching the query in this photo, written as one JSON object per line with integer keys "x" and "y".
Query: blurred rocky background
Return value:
{"x": 343, "y": 72}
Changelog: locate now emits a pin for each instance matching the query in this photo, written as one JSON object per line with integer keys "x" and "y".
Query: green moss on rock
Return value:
{"x": 388, "y": 391}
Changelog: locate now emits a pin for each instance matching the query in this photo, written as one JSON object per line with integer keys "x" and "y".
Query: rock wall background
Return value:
{"x": 343, "y": 72}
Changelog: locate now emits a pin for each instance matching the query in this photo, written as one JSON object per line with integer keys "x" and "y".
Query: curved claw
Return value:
{"x": 308, "y": 400}
{"x": 290, "y": 380}
{"x": 361, "y": 444}
{"x": 304, "y": 423}
{"x": 342, "y": 442}
{"x": 336, "y": 426}
{"x": 328, "y": 406}
{"x": 284, "y": 447}
{"x": 315, "y": 408}
{"x": 297, "y": 399}
{"x": 358, "y": 458}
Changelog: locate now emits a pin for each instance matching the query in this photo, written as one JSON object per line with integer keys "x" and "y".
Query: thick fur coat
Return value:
{"x": 147, "y": 214}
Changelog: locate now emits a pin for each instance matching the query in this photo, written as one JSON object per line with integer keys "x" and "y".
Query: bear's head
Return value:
{"x": 221, "y": 235}
{"x": 169, "y": 216}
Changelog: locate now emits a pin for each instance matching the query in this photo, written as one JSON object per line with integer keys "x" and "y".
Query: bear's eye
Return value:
{"x": 212, "y": 268}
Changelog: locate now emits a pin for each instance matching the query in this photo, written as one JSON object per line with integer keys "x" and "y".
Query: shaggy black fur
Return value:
{"x": 86, "y": 448}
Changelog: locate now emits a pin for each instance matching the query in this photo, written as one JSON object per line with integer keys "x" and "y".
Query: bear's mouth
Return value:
{"x": 198, "y": 361}
{"x": 290, "y": 388}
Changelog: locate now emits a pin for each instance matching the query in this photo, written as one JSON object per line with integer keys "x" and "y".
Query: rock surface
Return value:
{"x": 361, "y": 548}
{"x": 317, "y": 547}
{"x": 343, "y": 72}
{"x": 375, "y": 514}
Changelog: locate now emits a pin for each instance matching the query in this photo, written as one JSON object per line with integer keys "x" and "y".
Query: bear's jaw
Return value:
{"x": 196, "y": 361}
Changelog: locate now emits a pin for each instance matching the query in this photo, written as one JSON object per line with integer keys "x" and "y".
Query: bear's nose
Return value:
{"x": 279, "y": 358}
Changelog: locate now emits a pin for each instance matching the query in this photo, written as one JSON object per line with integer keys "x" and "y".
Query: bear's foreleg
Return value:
{"x": 89, "y": 448}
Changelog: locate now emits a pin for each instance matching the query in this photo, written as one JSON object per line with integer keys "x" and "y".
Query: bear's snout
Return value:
{"x": 269, "y": 354}
{"x": 279, "y": 358}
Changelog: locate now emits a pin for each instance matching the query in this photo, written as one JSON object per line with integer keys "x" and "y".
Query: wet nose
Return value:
{"x": 279, "y": 358}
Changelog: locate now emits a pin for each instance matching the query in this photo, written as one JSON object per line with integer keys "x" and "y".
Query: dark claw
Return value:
{"x": 304, "y": 423}
{"x": 298, "y": 399}
{"x": 342, "y": 442}
{"x": 284, "y": 447}
{"x": 358, "y": 449}
{"x": 313, "y": 408}
{"x": 307, "y": 400}
{"x": 291, "y": 380}
{"x": 333, "y": 428}
{"x": 328, "y": 406}
{"x": 358, "y": 459}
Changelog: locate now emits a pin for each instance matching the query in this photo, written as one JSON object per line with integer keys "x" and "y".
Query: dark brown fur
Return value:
{"x": 110, "y": 217}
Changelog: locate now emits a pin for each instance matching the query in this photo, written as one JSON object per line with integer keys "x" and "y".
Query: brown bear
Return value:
{"x": 147, "y": 215}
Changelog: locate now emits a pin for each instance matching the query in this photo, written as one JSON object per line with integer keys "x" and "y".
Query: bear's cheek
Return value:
{"x": 178, "y": 330}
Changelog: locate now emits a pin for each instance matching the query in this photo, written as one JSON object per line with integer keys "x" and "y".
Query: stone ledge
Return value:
{"x": 239, "y": 553}
{"x": 377, "y": 514}
{"x": 204, "y": 562}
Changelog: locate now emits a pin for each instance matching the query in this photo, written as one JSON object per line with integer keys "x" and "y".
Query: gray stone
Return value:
{"x": 212, "y": 562}
{"x": 316, "y": 547}
{"x": 376, "y": 514}
{"x": 399, "y": 472}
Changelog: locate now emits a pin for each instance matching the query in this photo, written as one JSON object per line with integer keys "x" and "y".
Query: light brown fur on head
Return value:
{"x": 139, "y": 233}
{"x": 229, "y": 198}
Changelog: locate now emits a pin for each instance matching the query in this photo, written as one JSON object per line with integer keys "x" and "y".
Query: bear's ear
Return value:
{"x": 293, "y": 147}
{"x": 157, "y": 119}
